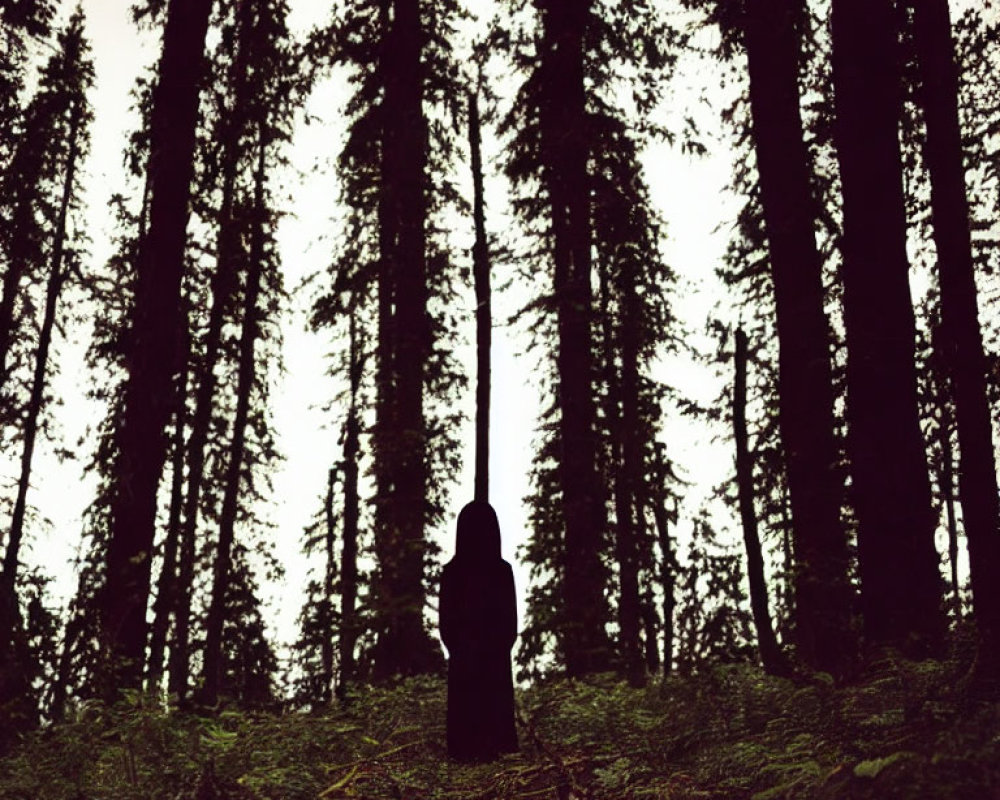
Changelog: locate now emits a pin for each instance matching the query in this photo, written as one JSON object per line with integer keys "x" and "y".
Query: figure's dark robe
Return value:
{"x": 479, "y": 626}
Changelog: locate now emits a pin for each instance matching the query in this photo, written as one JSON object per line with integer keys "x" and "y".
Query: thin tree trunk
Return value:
{"x": 385, "y": 437}
{"x": 34, "y": 410}
{"x": 901, "y": 586}
{"x": 326, "y": 646}
{"x": 166, "y": 591}
{"x": 154, "y": 343}
{"x": 565, "y": 154}
{"x": 960, "y": 332}
{"x": 668, "y": 573}
{"x": 650, "y": 628}
{"x": 349, "y": 554}
{"x": 770, "y": 653}
{"x": 805, "y": 405}
{"x": 630, "y": 478}
{"x": 223, "y": 286}
{"x": 244, "y": 388}
{"x": 948, "y": 490}
{"x": 16, "y": 707}
{"x": 484, "y": 321}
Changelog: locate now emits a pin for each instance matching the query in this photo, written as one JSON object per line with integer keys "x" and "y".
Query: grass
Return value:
{"x": 907, "y": 730}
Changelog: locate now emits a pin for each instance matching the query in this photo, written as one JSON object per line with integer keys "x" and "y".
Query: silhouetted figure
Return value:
{"x": 479, "y": 626}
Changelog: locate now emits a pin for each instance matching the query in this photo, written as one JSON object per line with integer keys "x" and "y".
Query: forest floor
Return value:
{"x": 907, "y": 730}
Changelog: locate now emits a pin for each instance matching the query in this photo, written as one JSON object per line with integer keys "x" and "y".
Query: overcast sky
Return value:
{"x": 688, "y": 192}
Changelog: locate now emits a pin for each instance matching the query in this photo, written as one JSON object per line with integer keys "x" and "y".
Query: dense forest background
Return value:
{"x": 494, "y": 173}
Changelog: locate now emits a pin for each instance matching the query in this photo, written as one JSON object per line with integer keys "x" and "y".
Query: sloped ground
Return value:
{"x": 905, "y": 731}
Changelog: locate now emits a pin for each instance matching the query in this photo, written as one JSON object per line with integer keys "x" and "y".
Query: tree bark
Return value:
{"x": 223, "y": 286}
{"x": 565, "y": 155}
{"x": 349, "y": 554}
{"x": 484, "y": 319}
{"x": 805, "y": 405}
{"x": 901, "y": 587}
{"x": 960, "y": 333}
{"x": 404, "y": 646}
{"x": 668, "y": 572}
{"x": 329, "y": 539}
{"x": 154, "y": 345}
{"x": 166, "y": 590}
{"x": 770, "y": 653}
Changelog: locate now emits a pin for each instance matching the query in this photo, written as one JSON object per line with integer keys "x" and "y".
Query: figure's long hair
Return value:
{"x": 478, "y": 536}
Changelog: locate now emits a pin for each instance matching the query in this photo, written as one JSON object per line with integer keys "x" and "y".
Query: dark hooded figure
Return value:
{"x": 479, "y": 626}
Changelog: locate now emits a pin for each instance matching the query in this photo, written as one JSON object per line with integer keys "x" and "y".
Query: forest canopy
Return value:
{"x": 492, "y": 176}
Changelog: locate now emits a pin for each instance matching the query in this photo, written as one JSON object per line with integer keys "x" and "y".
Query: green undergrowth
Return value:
{"x": 906, "y": 730}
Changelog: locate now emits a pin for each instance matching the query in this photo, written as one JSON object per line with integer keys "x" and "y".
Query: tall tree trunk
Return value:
{"x": 153, "y": 352}
{"x": 899, "y": 566}
{"x": 384, "y": 435}
{"x": 349, "y": 553}
{"x": 17, "y": 709}
{"x": 565, "y": 154}
{"x": 961, "y": 337}
{"x": 948, "y": 493}
{"x": 484, "y": 316}
{"x": 630, "y": 477}
{"x": 36, "y": 399}
{"x": 166, "y": 588}
{"x": 668, "y": 573}
{"x": 805, "y": 405}
{"x": 770, "y": 653}
{"x": 404, "y": 645}
{"x": 244, "y": 389}
{"x": 650, "y": 630}
{"x": 223, "y": 286}
{"x": 326, "y": 646}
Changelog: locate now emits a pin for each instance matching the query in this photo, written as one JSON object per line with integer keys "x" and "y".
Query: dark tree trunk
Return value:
{"x": 329, "y": 538}
{"x": 770, "y": 653}
{"x": 961, "y": 337}
{"x": 650, "y": 630}
{"x": 899, "y": 567}
{"x": 565, "y": 156}
{"x": 234, "y": 467}
{"x": 823, "y": 595}
{"x": 349, "y": 554}
{"x": 8, "y": 578}
{"x": 384, "y": 438}
{"x": 948, "y": 495}
{"x": 668, "y": 573}
{"x": 154, "y": 345}
{"x": 484, "y": 318}
{"x": 16, "y": 707}
{"x": 166, "y": 589}
{"x": 223, "y": 286}
{"x": 621, "y": 418}
{"x": 404, "y": 645}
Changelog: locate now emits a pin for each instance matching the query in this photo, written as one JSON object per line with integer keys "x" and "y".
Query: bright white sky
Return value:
{"x": 689, "y": 193}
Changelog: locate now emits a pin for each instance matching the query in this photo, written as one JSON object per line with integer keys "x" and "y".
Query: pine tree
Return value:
{"x": 397, "y": 185}
{"x": 154, "y": 340}
{"x": 805, "y": 390}
{"x": 900, "y": 579}
{"x": 770, "y": 653}
{"x": 21, "y": 23}
{"x": 60, "y": 110}
{"x": 961, "y": 338}
{"x": 582, "y": 201}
